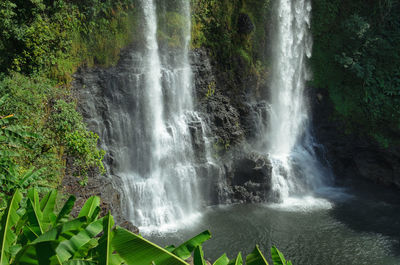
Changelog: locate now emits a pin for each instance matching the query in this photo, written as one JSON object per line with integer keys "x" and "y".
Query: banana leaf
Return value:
{"x": 237, "y": 261}
{"x": 277, "y": 257}
{"x": 70, "y": 248}
{"x": 66, "y": 209}
{"x": 37, "y": 254}
{"x": 223, "y": 260}
{"x": 47, "y": 205}
{"x": 170, "y": 248}
{"x": 198, "y": 257}
{"x": 105, "y": 247}
{"x": 185, "y": 250}
{"x": 34, "y": 213}
{"x": 79, "y": 262}
{"x": 8, "y": 221}
{"x": 134, "y": 249}
{"x": 90, "y": 207}
{"x": 256, "y": 258}
{"x": 29, "y": 177}
{"x": 42, "y": 250}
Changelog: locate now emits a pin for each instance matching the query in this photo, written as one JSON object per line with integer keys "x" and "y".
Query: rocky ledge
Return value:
{"x": 248, "y": 177}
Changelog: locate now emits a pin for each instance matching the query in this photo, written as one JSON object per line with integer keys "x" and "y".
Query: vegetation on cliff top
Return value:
{"x": 235, "y": 34}
{"x": 357, "y": 58}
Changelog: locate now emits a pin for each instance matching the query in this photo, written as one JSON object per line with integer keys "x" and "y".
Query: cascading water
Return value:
{"x": 143, "y": 112}
{"x": 167, "y": 189}
{"x": 296, "y": 170}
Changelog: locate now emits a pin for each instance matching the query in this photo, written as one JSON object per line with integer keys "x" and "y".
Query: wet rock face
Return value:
{"x": 252, "y": 179}
{"x": 352, "y": 156}
{"x": 254, "y": 119}
{"x": 248, "y": 176}
{"x": 251, "y": 169}
{"x": 130, "y": 227}
{"x": 222, "y": 115}
{"x": 231, "y": 122}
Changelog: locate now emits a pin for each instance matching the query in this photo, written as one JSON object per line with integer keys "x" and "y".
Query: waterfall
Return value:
{"x": 143, "y": 110}
{"x": 164, "y": 189}
{"x": 296, "y": 170}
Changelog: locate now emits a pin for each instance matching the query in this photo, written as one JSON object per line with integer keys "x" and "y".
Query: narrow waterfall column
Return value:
{"x": 295, "y": 167}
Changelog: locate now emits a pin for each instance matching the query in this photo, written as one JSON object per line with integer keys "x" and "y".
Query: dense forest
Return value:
{"x": 356, "y": 62}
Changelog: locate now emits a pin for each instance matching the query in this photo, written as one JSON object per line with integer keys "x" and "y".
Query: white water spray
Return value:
{"x": 296, "y": 170}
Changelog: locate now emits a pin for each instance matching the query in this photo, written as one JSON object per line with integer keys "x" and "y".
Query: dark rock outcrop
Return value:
{"x": 352, "y": 155}
{"x": 222, "y": 115}
{"x": 245, "y": 25}
{"x": 248, "y": 177}
{"x": 233, "y": 121}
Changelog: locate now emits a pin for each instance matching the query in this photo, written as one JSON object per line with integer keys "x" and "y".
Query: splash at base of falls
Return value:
{"x": 302, "y": 204}
{"x": 170, "y": 196}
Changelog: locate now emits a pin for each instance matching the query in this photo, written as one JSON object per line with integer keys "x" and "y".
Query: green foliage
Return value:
{"x": 62, "y": 131}
{"x": 184, "y": 251}
{"x": 220, "y": 147}
{"x": 28, "y": 99}
{"x": 278, "y": 258}
{"x": 12, "y": 176}
{"x": 56, "y": 37}
{"x": 9, "y": 220}
{"x": 223, "y": 260}
{"x": 35, "y": 233}
{"x": 237, "y": 261}
{"x": 198, "y": 257}
{"x": 256, "y": 257}
{"x": 215, "y": 27}
{"x": 42, "y": 43}
{"x": 215, "y": 24}
{"x": 211, "y": 89}
{"x": 71, "y": 132}
{"x": 357, "y": 57}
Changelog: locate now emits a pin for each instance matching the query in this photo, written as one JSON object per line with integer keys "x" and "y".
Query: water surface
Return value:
{"x": 361, "y": 228}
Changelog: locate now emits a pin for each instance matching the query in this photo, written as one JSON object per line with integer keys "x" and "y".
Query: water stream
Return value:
{"x": 296, "y": 170}
{"x": 143, "y": 111}
{"x": 163, "y": 188}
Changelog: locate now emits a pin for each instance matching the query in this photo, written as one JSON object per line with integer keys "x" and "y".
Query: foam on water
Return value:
{"x": 171, "y": 227}
{"x": 302, "y": 204}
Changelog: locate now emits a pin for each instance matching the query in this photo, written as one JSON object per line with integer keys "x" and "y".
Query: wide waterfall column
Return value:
{"x": 295, "y": 167}
{"x": 161, "y": 189}
{"x": 144, "y": 189}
